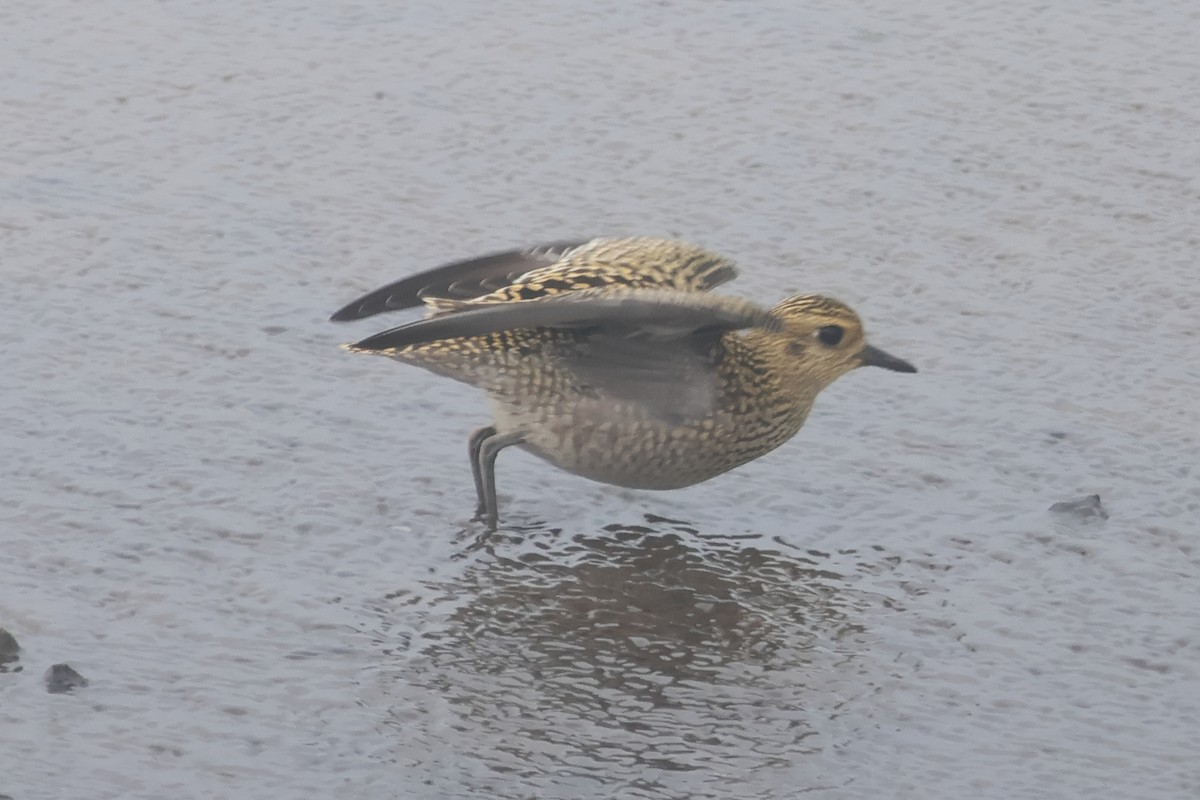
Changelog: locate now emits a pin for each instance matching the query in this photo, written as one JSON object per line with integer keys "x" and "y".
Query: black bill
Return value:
{"x": 874, "y": 357}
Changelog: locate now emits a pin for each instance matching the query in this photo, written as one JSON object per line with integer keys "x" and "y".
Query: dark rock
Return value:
{"x": 8, "y": 646}
{"x": 61, "y": 678}
{"x": 1083, "y": 509}
{"x": 9, "y": 652}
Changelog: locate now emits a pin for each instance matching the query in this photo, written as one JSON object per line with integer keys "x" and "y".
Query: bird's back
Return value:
{"x": 525, "y": 355}
{"x": 629, "y": 263}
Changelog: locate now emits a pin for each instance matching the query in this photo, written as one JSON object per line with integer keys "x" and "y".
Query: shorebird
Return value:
{"x": 610, "y": 359}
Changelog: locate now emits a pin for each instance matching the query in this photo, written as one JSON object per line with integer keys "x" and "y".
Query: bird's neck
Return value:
{"x": 776, "y": 377}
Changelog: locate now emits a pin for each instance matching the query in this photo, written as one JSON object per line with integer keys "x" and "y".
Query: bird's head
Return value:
{"x": 824, "y": 338}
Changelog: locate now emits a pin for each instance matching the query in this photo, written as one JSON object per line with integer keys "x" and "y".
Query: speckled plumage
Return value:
{"x": 611, "y": 360}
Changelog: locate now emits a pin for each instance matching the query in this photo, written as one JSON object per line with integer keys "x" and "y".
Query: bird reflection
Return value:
{"x": 644, "y": 645}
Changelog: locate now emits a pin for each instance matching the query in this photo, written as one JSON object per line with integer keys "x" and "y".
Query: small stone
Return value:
{"x": 8, "y": 646}
{"x": 9, "y": 654}
{"x": 61, "y": 678}
{"x": 1083, "y": 509}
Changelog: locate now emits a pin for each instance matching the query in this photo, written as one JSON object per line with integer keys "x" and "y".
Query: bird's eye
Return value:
{"x": 830, "y": 335}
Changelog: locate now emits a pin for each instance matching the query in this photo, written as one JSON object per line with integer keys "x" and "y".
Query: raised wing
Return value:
{"x": 656, "y": 350}
{"x": 653, "y": 315}
{"x": 461, "y": 280}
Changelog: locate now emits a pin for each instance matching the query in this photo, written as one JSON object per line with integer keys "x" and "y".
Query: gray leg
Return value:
{"x": 473, "y": 444}
{"x": 489, "y": 448}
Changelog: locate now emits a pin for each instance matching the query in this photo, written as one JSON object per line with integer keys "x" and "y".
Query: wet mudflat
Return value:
{"x": 256, "y": 550}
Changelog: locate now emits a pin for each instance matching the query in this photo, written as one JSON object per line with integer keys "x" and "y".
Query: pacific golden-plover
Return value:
{"x": 609, "y": 359}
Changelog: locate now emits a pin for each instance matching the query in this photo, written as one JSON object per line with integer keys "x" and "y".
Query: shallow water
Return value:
{"x": 256, "y": 548}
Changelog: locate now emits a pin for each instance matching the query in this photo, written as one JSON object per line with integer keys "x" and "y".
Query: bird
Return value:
{"x": 611, "y": 359}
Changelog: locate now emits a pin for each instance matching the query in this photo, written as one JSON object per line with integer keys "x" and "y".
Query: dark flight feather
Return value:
{"x": 461, "y": 280}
